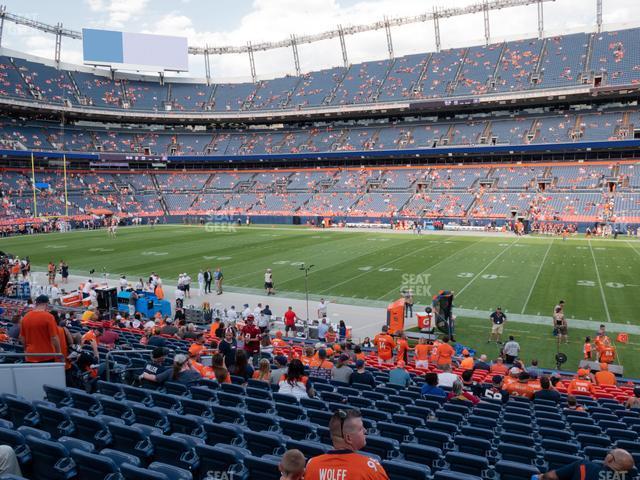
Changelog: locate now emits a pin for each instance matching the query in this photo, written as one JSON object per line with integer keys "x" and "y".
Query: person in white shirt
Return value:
{"x": 93, "y": 297}
{"x": 257, "y": 313}
{"x": 149, "y": 324}
{"x": 246, "y": 312}
{"x": 322, "y": 308}
{"x": 200, "y": 283}
{"x": 446, "y": 378}
{"x": 187, "y": 285}
{"x": 323, "y": 328}
{"x": 268, "y": 282}
{"x": 54, "y": 294}
{"x": 88, "y": 285}
{"x": 179, "y": 298}
{"x": 232, "y": 314}
{"x": 123, "y": 283}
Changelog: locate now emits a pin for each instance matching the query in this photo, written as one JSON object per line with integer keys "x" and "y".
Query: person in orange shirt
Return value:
{"x": 607, "y": 354}
{"x": 331, "y": 335}
{"x": 514, "y": 374}
{"x": 421, "y": 355}
{"x": 197, "y": 347}
{"x": 214, "y": 328}
{"x": 581, "y": 385}
{"x": 521, "y": 388}
{"x": 385, "y": 345}
{"x": 307, "y": 357}
{"x": 403, "y": 347}
{"x": 277, "y": 342}
{"x": 358, "y": 353}
{"x": 3, "y": 335}
{"x": 348, "y": 436}
{"x": 498, "y": 367}
{"x": 467, "y": 362}
{"x": 587, "y": 349}
{"x": 445, "y": 353}
{"x": 433, "y": 353}
{"x": 604, "y": 376}
{"x": 92, "y": 337}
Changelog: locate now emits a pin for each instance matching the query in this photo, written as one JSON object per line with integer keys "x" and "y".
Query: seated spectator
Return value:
{"x": 572, "y": 404}
{"x": 446, "y": 378}
{"x": 155, "y": 339}
{"x": 169, "y": 328}
{"x": 581, "y": 384}
{"x": 546, "y": 392}
{"x": 266, "y": 345}
{"x": 357, "y": 353}
{"x": 242, "y": 367}
{"x": 278, "y": 342}
{"x": 321, "y": 367}
{"x": 458, "y": 394}
{"x": 533, "y": 371}
{"x": 467, "y": 362}
{"x": 498, "y": 367}
{"x": 361, "y": 376}
{"x": 92, "y": 337}
{"x": 264, "y": 371}
{"x": 468, "y": 384}
{"x": 155, "y": 367}
{"x": 604, "y": 376}
{"x": 399, "y": 376}
{"x": 9, "y": 462}
{"x": 366, "y": 343}
{"x": 430, "y": 387}
{"x": 182, "y": 372}
{"x": 220, "y": 372}
{"x": 482, "y": 364}
{"x": 521, "y": 388}
{"x": 89, "y": 315}
{"x": 633, "y": 403}
{"x": 281, "y": 368}
{"x": 294, "y": 382}
{"x": 109, "y": 338}
{"x": 495, "y": 391}
{"x": 617, "y": 463}
{"x": 292, "y": 465}
{"x": 342, "y": 372}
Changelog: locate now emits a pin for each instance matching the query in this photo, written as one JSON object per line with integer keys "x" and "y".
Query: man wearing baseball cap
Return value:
{"x": 361, "y": 376}
{"x": 581, "y": 384}
{"x": 251, "y": 335}
{"x": 342, "y": 372}
{"x": 39, "y": 332}
{"x": 156, "y": 366}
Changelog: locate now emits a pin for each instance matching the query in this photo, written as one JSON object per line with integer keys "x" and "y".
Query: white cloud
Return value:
{"x": 118, "y": 12}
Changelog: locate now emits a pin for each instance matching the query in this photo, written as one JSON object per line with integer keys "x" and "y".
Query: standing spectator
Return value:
{"x": 265, "y": 319}
{"x": 444, "y": 353}
{"x": 123, "y": 283}
{"x": 348, "y": 436}
{"x": 581, "y": 384}
{"x": 403, "y": 347}
{"x": 200, "y": 283}
{"x": 133, "y": 298}
{"x": 228, "y": 347}
{"x": 342, "y": 372}
{"x": 208, "y": 277}
{"x": 342, "y": 331}
{"x": 290, "y": 318}
{"x": 617, "y": 463}
{"x": 179, "y": 296}
{"x": 268, "y": 282}
{"x": 498, "y": 319}
{"x": 361, "y": 376}
{"x": 408, "y": 303}
{"x": 430, "y": 387}
{"x": 511, "y": 350}
{"x": 560, "y": 325}
{"x": 385, "y": 345}
{"x": 246, "y": 311}
{"x": 251, "y": 336}
{"x": 399, "y": 376}
{"x": 64, "y": 272}
{"x": 322, "y": 308}
{"x": 447, "y": 377}
{"x": 533, "y": 371}
{"x": 323, "y": 328}
{"x": 39, "y": 332}
{"x": 51, "y": 273}
{"x": 218, "y": 278}
{"x": 421, "y": 355}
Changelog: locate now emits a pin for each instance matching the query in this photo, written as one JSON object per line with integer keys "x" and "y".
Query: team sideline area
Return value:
{"x": 412, "y": 263}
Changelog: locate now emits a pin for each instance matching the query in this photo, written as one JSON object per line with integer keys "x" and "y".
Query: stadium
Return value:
{"x": 420, "y": 264}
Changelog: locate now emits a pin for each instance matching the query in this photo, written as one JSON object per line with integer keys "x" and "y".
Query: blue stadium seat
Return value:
{"x": 631, "y": 447}
{"x": 558, "y": 459}
{"x": 84, "y": 401}
{"x": 130, "y": 472}
{"x": 233, "y": 400}
{"x": 259, "y": 384}
{"x": 466, "y": 463}
{"x": 50, "y": 460}
{"x": 401, "y": 433}
{"x": 621, "y": 434}
{"x": 331, "y": 396}
{"x": 517, "y": 439}
{"x": 131, "y": 439}
{"x": 203, "y": 393}
{"x": 409, "y": 420}
{"x": 596, "y": 453}
{"x": 360, "y": 402}
{"x": 517, "y": 453}
{"x": 375, "y": 414}
{"x": 20, "y": 411}
{"x": 473, "y": 446}
{"x": 299, "y": 430}
{"x": 290, "y": 411}
{"x": 319, "y": 417}
{"x": 175, "y": 388}
{"x": 308, "y": 448}
{"x": 260, "y": 393}
{"x": 383, "y": 447}
{"x": 325, "y": 434}
{"x": 187, "y": 425}
{"x": 313, "y": 403}
{"x": 587, "y": 440}
{"x": 91, "y": 429}
{"x": 27, "y": 431}
{"x": 16, "y": 441}
{"x": 446, "y": 427}
{"x": 451, "y": 475}
{"x": 216, "y": 459}
{"x": 262, "y": 422}
{"x": 174, "y": 451}
{"x": 558, "y": 446}
{"x": 434, "y": 438}
{"x": 58, "y": 395}
{"x": 262, "y": 443}
{"x": 516, "y": 427}
{"x": 120, "y": 457}
{"x": 470, "y": 431}
{"x": 401, "y": 470}
{"x": 152, "y": 417}
{"x": 421, "y": 454}
{"x": 136, "y": 394}
{"x": 388, "y": 406}
{"x": 223, "y": 433}
{"x": 554, "y": 434}
{"x": 257, "y": 405}
{"x": 236, "y": 389}
{"x": 262, "y": 468}
{"x": 197, "y": 408}
{"x": 92, "y": 466}
{"x": 54, "y": 420}
{"x": 514, "y": 470}
{"x": 111, "y": 389}
{"x": 166, "y": 401}
{"x": 227, "y": 414}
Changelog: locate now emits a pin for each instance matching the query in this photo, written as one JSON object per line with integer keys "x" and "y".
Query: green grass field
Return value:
{"x": 598, "y": 279}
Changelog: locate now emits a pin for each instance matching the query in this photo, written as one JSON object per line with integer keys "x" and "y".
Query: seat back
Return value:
{"x": 261, "y": 443}
{"x": 91, "y": 466}
{"x": 264, "y": 469}
{"x": 399, "y": 470}
{"x": 50, "y": 460}
{"x": 173, "y": 451}
{"x": 54, "y": 421}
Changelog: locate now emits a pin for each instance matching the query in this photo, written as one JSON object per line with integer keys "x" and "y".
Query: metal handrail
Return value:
{"x": 16, "y": 354}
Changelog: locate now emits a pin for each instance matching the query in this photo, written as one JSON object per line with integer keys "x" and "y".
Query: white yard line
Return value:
{"x": 432, "y": 245}
{"x": 633, "y": 248}
{"x": 604, "y": 300}
{"x": 432, "y": 266}
{"x": 458, "y": 293}
{"x": 535, "y": 280}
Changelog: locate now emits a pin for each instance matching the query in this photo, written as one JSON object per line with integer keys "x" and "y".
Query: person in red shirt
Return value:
{"x": 108, "y": 337}
{"x": 39, "y": 332}
{"x": 251, "y": 335}
{"x": 385, "y": 345}
{"x": 445, "y": 352}
{"x": 348, "y": 435}
{"x": 290, "y": 318}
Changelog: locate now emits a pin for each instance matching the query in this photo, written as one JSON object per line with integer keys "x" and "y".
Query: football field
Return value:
{"x": 598, "y": 279}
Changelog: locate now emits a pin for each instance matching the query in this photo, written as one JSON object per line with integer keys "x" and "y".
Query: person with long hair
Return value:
{"x": 242, "y": 368}
{"x": 220, "y": 371}
{"x": 295, "y": 382}
{"x": 264, "y": 371}
{"x": 183, "y": 372}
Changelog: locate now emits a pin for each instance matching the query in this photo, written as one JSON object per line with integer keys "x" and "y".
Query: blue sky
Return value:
{"x": 218, "y": 22}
